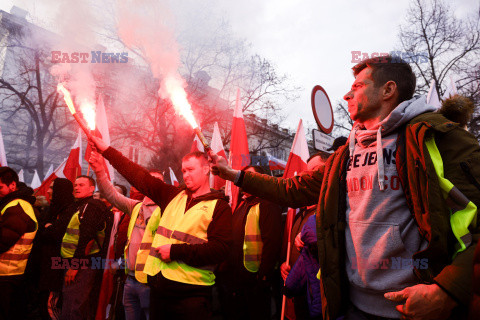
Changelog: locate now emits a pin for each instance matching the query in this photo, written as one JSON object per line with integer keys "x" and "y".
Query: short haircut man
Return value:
{"x": 197, "y": 155}
{"x": 90, "y": 180}
{"x": 386, "y": 69}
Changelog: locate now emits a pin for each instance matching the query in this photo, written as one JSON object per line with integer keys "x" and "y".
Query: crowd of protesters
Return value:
{"x": 387, "y": 239}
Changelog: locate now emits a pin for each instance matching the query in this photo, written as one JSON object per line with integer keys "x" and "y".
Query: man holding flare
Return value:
{"x": 193, "y": 235}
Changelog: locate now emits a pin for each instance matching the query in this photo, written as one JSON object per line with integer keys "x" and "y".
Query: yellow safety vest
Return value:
{"x": 72, "y": 234}
{"x": 147, "y": 239}
{"x": 252, "y": 242}
{"x": 14, "y": 260}
{"x": 179, "y": 227}
{"x": 463, "y": 211}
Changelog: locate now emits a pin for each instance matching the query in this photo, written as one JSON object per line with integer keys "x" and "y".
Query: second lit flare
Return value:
{"x": 178, "y": 96}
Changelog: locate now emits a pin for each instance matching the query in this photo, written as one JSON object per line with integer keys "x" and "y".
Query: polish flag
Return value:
{"x": 217, "y": 146}
{"x": 275, "y": 163}
{"x": 73, "y": 167}
{"x": 3, "y": 155}
{"x": 451, "y": 90}
{"x": 101, "y": 131}
{"x": 70, "y": 168}
{"x": 297, "y": 162}
{"x": 35, "y": 181}
{"x": 432, "y": 96}
{"x": 239, "y": 155}
{"x": 173, "y": 179}
{"x": 197, "y": 145}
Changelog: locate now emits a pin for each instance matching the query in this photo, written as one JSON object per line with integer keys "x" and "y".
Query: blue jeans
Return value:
{"x": 136, "y": 300}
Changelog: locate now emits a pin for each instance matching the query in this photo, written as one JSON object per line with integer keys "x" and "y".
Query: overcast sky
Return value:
{"x": 310, "y": 40}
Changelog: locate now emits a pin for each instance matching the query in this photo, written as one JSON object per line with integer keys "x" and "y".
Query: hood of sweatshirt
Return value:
{"x": 403, "y": 113}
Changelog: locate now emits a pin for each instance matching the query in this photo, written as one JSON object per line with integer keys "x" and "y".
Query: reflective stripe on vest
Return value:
{"x": 14, "y": 260}
{"x": 252, "y": 242}
{"x": 72, "y": 234}
{"x": 147, "y": 240}
{"x": 463, "y": 211}
{"x": 179, "y": 227}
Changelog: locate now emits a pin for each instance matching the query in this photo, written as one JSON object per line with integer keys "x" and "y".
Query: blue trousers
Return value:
{"x": 136, "y": 300}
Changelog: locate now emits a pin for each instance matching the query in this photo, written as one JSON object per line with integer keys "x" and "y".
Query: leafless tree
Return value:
{"x": 451, "y": 46}
{"x": 33, "y": 116}
{"x": 342, "y": 121}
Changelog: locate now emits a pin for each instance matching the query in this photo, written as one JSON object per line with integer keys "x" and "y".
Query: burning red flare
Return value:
{"x": 68, "y": 100}
{"x": 88, "y": 111}
{"x": 66, "y": 97}
{"x": 178, "y": 96}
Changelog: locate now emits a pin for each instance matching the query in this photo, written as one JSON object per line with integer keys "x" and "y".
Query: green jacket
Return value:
{"x": 461, "y": 157}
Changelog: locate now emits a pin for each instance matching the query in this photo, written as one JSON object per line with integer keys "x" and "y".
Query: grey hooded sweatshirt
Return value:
{"x": 381, "y": 234}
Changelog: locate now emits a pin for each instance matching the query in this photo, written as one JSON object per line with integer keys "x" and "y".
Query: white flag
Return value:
{"x": 3, "y": 155}
{"x": 35, "y": 181}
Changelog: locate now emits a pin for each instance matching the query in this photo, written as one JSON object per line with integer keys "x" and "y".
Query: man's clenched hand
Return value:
{"x": 220, "y": 167}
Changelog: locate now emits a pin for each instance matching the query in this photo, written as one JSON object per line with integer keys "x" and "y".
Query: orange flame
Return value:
{"x": 88, "y": 111}
{"x": 178, "y": 96}
{"x": 66, "y": 97}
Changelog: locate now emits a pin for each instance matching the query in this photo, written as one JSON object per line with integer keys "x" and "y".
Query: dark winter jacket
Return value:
{"x": 270, "y": 230}
{"x": 298, "y": 222}
{"x": 461, "y": 158}
{"x": 303, "y": 276}
{"x": 14, "y": 222}
{"x": 219, "y": 231}
{"x": 60, "y": 213}
{"x": 94, "y": 217}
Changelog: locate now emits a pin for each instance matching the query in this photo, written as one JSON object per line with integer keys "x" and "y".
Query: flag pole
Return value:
{"x": 289, "y": 248}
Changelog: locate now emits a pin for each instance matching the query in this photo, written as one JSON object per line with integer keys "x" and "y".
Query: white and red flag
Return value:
{"x": 173, "y": 179}
{"x": 217, "y": 146}
{"x": 70, "y": 168}
{"x": 73, "y": 165}
{"x": 3, "y": 155}
{"x": 101, "y": 131}
{"x": 239, "y": 155}
{"x": 275, "y": 163}
{"x": 451, "y": 90}
{"x": 197, "y": 145}
{"x": 297, "y": 162}
{"x": 432, "y": 96}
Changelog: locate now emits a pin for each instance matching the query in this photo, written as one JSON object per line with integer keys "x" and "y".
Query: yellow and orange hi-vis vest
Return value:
{"x": 179, "y": 227}
{"x": 14, "y": 261}
{"x": 147, "y": 240}
{"x": 252, "y": 242}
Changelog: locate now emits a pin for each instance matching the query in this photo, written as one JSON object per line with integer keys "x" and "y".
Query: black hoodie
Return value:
{"x": 14, "y": 222}
{"x": 219, "y": 231}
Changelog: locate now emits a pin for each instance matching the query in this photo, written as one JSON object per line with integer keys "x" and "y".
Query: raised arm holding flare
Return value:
{"x": 193, "y": 235}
